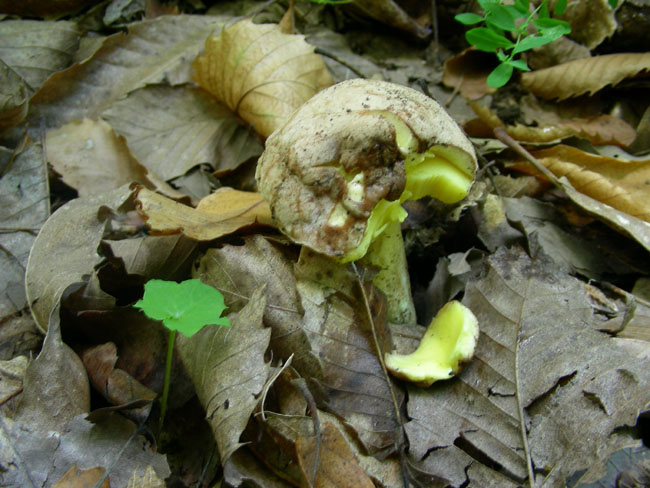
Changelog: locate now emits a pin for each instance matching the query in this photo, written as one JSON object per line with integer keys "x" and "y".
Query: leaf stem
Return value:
{"x": 168, "y": 369}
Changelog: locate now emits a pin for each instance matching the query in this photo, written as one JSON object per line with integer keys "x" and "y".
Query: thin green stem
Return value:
{"x": 168, "y": 370}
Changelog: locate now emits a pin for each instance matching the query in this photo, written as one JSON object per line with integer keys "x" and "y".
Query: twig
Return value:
{"x": 504, "y": 137}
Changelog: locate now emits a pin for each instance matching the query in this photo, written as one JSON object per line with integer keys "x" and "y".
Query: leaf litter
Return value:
{"x": 294, "y": 393}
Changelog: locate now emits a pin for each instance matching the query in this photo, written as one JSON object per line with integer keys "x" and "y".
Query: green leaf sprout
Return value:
{"x": 507, "y": 32}
{"x": 184, "y": 307}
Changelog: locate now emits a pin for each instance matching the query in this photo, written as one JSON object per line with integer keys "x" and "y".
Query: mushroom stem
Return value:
{"x": 386, "y": 253}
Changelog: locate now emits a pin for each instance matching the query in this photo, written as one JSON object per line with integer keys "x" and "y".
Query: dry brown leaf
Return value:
{"x": 149, "y": 479}
{"x": 82, "y": 478}
{"x": 600, "y": 129}
{"x": 624, "y": 185}
{"x": 337, "y": 464}
{"x": 390, "y": 13}
{"x": 260, "y": 73}
{"x": 592, "y": 21}
{"x": 468, "y": 72}
{"x": 152, "y": 51}
{"x": 91, "y": 158}
{"x": 218, "y": 214}
{"x": 228, "y": 368}
{"x": 587, "y": 75}
{"x": 173, "y": 129}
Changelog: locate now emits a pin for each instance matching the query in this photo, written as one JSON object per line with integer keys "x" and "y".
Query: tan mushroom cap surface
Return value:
{"x": 324, "y": 170}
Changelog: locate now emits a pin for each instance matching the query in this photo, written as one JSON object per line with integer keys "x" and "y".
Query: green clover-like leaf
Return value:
{"x": 184, "y": 307}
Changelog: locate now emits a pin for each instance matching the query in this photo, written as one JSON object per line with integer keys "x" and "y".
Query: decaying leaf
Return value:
{"x": 228, "y": 370}
{"x": 116, "y": 385}
{"x": 25, "y": 206}
{"x": 36, "y": 49}
{"x": 331, "y": 459}
{"x": 86, "y": 89}
{"x": 66, "y": 251}
{"x": 82, "y": 478}
{"x": 12, "y": 373}
{"x": 389, "y": 12}
{"x": 91, "y": 158}
{"x": 260, "y": 73}
{"x": 172, "y": 129}
{"x": 592, "y": 21}
{"x": 467, "y": 72}
{"x": 624, "y": 185}
{"x": 552, "y": 126}
{"x": 218, "y": 214}
{"x": 546, "y": 388}
{"x": 149, "y": 479}
{"x": 587, "y": 75}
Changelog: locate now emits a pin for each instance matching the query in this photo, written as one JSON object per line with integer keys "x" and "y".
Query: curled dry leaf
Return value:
{"x": 624, "y": 185}
{"x": 260, "y": 73}
{"x": 389, "y": 12}
{"x": 591, "y": 21}
{"x": 218, "y": 214}
{"x": 599, "y": 129}
{"x": 467, "y": 72}
{"x": 587, "y": 75}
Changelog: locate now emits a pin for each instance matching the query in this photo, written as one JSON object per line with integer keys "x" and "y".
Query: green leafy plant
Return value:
{"x": 182, "y": 307}
{"x": 512, "y": 29}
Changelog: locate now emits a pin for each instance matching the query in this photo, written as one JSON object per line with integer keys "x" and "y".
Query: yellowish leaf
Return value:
{"x": 624, "y": 185}
{"x": 600, "y": 129}
{"x": 260, "y": 73}
{"x": 587, "y": 75}
{"x": 223, "y": 212}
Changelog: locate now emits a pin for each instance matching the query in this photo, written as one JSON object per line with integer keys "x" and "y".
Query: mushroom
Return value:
{"x": 336, "y": 173}
{"x": 446, "y": 346}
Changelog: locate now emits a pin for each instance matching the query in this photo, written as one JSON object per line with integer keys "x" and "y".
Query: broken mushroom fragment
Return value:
{"x": 446, "y": 346}
{"x": 337, "y": 171}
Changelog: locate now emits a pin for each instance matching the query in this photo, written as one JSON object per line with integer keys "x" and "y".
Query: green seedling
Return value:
{"x": 512, "y": 29}
{"x": 182, "y": 307}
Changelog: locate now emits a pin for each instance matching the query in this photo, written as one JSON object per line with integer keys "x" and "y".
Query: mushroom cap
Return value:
{"x": 341, "y": 152}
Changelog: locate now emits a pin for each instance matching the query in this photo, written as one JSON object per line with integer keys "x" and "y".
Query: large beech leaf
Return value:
{"x": 546, "y": 390}
{"x": 228, "y": 370}
{"x": 65, "y": 251}
{"x": 172, "y": 129}
{"x": 587, "y": 75}
{"x": 151, "y": 51}
{"x": 261, "y": 73}
{"x": 336, "y": 322}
